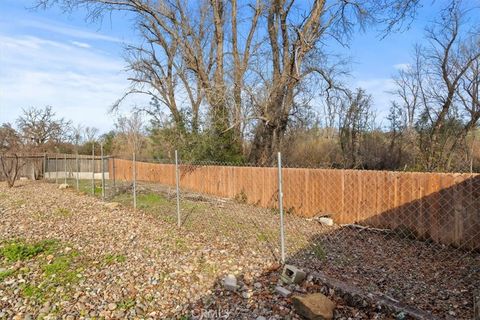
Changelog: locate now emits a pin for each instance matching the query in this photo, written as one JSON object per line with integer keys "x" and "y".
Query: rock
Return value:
{"x": 314, "y": 306}
{"x": 246, "y": 295}
{"x": 112, "y": 205}
{"x": 261, "y": 318}
{"x": 230, "y": 282}
{"x": 63, "y": 186}
{"x": 257, "y": 285}
{"x": 326, "y": 221}
{"x": 112, "y": 306}
{"x": 282, "y": 291}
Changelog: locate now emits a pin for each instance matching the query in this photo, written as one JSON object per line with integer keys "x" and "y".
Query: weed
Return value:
{"x": 127, "y": 304}
{"x": 63, "y": 212}
{"x": 5, "y": 274}
{"x": 32, "y": 292}
{"x": 19, "y": 250}
{"x": 319, "y": 252}
{"x": 181, "y": 245}
{"x": 62, "y": 270}
{"x": 114, "y": 258}
{"x": 241, "y": 197}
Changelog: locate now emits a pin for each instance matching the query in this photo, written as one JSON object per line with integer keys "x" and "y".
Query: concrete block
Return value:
{"x": 292, "y": 274}
{"x": 282, "y": 291}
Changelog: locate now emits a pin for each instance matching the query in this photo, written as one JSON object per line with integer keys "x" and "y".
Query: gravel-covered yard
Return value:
{"x": 68, "y": 255}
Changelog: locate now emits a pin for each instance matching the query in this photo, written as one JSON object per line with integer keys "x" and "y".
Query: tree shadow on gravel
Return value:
{"x": 420, "y": 279}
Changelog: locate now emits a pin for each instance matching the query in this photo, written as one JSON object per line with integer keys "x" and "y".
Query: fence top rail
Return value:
{"x": 293, "y": 169}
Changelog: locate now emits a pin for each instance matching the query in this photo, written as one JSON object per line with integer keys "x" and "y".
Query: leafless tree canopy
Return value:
{"x": 440, "y": 90}
{"x": 230, "y": 67}
{"x": 39, "y": 127}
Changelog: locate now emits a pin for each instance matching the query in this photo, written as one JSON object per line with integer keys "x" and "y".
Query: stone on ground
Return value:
{"x": 314, "y": 306}
{"x": 112, "y": 205}
{"x": 230, "y": 282}
{"x": 282, "y": 291}
{"x": 326, "y": 221}
{"x": 63, "y": 186}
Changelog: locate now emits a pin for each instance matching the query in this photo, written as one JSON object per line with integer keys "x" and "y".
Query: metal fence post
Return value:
{"x": 56, "y": 168}
{"x": 93, "y": 168}
{"x": 65, "y": 167}
{"x": 78, "y": 169}
{"x": 45, "y": 166}
{"x": 113, "y": 173}
{"x": 178, "y": 189}
{"x": 280, "y": 207}
{"x": 134, "y": 168}
{"x": 103, "y": 171}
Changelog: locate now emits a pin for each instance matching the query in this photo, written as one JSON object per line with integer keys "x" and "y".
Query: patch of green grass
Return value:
{"x": 63, "y": 270}
{"x": 114, "y": 258}
{"x": 63, "y": 212}
{"x": 262, "y": 237}
{"x": 32, "y": 292}
{"x": 319, "y": 252}
{"x": 192, "y": 206}
{"x": 181, "y": 245}
{"x": 152, "y": 200}
{"x": 3, "y": 195}
{"x": 19, "y": 250}
{"x": 127, "y": 304}
{"x": 85, "y": 186}
{"x": 5, "y": 274}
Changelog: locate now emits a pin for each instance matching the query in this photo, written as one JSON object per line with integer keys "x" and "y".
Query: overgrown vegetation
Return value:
{"x": 19, "y": 250}
{"x": 50, "y": 265}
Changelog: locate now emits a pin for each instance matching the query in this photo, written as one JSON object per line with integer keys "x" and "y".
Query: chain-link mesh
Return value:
{"x": 413, "y": 237}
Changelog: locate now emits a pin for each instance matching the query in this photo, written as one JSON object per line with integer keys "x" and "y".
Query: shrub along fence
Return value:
{"x": 443, "y": 207}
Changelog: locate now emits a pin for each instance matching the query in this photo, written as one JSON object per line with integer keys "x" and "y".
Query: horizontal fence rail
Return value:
{"x": 443, "y": 207}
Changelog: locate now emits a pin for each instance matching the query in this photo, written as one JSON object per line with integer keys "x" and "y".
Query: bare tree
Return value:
{"x": 408, "y": 88}
{"x": 9, "y": 138}
{"x": 443, "y": 86}
{"x": 356, "y": 119}
{"x": 130, "y": 135}
{"x": 233, "y": 57}
{"x": 10, "y": 144}
{"x": 39, "y": 127}
{"x": 90, "y": 134}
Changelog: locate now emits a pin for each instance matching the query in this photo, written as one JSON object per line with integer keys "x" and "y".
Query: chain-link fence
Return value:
{"x": 413, "y": 237}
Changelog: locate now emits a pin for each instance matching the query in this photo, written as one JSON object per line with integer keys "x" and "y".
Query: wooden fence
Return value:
{"x": 444, "y": 207}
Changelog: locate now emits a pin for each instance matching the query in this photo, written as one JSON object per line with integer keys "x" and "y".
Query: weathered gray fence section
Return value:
{"x": 59, "y": 165}
{"x": 56, "y": 166}
{"x": 29, "y": 166}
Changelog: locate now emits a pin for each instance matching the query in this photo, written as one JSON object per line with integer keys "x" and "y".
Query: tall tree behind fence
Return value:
{"x": 444, "y": 207}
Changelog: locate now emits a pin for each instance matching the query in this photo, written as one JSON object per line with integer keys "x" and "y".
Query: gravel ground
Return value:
{"x": 438, "y": 279}
{"x": 127, "y": 264}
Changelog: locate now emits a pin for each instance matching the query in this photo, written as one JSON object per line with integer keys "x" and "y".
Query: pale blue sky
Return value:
{"x": 51, "y": 58}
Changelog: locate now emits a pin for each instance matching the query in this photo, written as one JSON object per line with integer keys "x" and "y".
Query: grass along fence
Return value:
{"x": 443, "y": 207}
